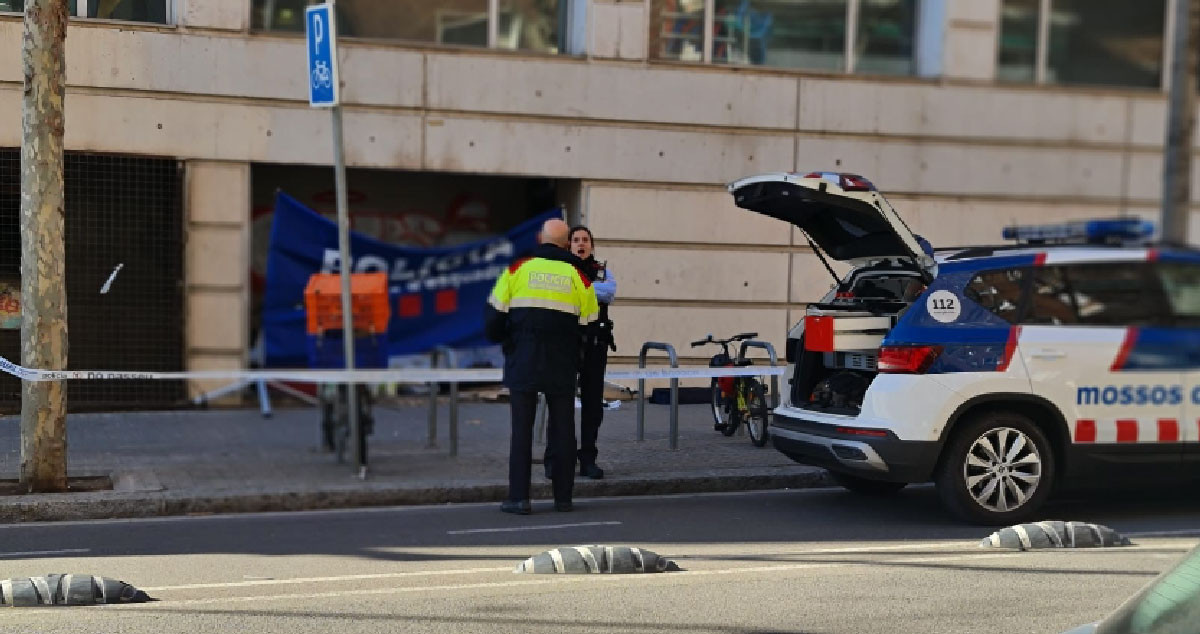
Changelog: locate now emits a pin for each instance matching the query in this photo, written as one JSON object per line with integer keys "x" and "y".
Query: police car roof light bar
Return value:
{"x": 1107, "y": 231}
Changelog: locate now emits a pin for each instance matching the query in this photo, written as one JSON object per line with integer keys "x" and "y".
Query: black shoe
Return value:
{"x": 591, "y": 471}
{"x": 564, "y": 507}
{"x": 516, "y": 507}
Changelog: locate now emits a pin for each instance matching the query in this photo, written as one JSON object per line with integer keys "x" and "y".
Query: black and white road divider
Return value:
{"x": 407, "y": 375}
{"x": 583, "y": 560}
{"x": 1054, "y": 534}
{"x": 67, "y": 590}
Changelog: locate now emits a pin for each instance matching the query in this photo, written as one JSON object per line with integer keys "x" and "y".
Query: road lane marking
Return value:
{"x": 298, "y": 580}
{"x": 42, "y": 526}
{"x": 466, "y": 571}
{"x": 541, "y": 527}
{"x": 553, "y": 579}
{"x": 1187, "y": 532}
{"x": 33, "y": 553}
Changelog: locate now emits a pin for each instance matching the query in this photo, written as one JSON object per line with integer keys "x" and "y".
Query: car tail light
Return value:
{"x": 907, "y": 359}
{"x": 859, "y": 431}
{"x": 855, "y": 183}
{"x": 848, "y": 182}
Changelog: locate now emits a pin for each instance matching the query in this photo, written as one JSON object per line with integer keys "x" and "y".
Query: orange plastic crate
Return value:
{"x": 369, "y": 305}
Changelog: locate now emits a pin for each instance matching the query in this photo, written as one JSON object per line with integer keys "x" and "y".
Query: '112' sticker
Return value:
{"x": 944, "y": 306}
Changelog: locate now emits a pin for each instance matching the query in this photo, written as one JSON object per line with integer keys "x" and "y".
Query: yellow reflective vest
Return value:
{"x": 542, "y": 302}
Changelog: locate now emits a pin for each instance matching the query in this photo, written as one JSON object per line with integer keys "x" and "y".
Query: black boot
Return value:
{"x": 590, "y": 470}
{"x": 516, "y": 507}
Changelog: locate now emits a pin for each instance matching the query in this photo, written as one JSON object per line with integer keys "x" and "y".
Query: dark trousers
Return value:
{"x": 562, "y": 433}
{"x": 591, "y": 403}
{"x": 591, "y": 399}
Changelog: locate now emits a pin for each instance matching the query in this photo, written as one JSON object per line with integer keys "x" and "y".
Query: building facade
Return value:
{"x": 465, "y": 116}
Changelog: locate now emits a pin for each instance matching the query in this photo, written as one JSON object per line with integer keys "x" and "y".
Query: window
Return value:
{"x": 1181, "y": 282}
{"x": 155, "y": 11}
{"x": 999, "y": 292}
{"x": 1090, "y": 42}
{"x": 886, "y": 34}
{"x": 532, "y": 25}
{"x": 1018, "y": 40}
{"x": 1095, "y": 295}
{"x": 810, "y": 34}
{"x": 800, "y": 34}
{"x": 678, "y": 29}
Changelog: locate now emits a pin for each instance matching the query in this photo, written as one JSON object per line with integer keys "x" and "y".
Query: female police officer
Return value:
{"x": 598, "y": 338}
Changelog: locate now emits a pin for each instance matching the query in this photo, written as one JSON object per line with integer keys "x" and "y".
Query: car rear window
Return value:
{"x": 999, "y": 292}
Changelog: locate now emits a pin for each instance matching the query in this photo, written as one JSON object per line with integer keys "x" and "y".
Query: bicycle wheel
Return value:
{"x": 720, "y": 409}
{"x": 733, "y": 413}
{"x": 757, "y": 414}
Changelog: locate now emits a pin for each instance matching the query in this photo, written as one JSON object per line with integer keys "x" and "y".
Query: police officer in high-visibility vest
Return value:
{"x": 537, "y": 310}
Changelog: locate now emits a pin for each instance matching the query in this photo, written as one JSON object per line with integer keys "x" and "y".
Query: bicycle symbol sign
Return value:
{"x": 322, "y": 77}
{"x": 322, "y": 55}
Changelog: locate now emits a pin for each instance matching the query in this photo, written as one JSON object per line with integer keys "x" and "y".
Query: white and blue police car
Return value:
{"x": 999, "y": 373}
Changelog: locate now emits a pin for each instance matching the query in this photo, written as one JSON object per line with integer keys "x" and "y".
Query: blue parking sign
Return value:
{"x": 322, "y": 55}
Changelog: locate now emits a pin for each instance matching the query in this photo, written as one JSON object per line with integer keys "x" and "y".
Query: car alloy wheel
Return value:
{"x": 1003, "y": 469}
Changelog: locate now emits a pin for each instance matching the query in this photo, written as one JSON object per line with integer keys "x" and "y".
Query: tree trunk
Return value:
{"x": 1181, "y": 121}
{"x": 43, "y": 257}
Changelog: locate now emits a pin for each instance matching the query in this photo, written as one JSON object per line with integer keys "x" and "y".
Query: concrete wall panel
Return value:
{"x": 226, "y": 131}
{"x": 216, "y": 256}
{"x": 635, "y": 35}
{"x": 679, "y": 326}
{"x": 578, "y": 151}
{"x": 264, "y": 68}
{"x": 958, "y": 111}
{"x": 962, "y": 169}
{"x": 218, "y": 192}
{"x": 214, "y": 14}
{"x": 810, "y": 281}
{"x": 970, "y": 52}
{"x": 951, "y": 222}
{"x": 579, "y": 89}
{"x": 692, "y": 274}
{"x": 215, "y": 320}
{"x": 664, "y": 214}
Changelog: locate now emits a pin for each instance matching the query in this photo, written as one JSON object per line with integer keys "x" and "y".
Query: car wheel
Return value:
{"x": 864, "y": 486}
{"x": 997, "y": 469}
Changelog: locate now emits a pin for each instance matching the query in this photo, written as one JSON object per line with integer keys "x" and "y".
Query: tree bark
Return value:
{"x": 43, "y": 254}
{"x": 1181, "y": 123}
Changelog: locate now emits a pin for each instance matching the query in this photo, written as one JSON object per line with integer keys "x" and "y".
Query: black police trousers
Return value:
{"x": 561, "y": 432}
{"x": 591, "y": 403}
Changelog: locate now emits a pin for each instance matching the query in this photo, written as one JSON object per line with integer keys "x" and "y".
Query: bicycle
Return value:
{"x": 737, "y": 398}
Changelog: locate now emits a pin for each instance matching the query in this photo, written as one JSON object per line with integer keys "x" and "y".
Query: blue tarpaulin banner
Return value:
{"x": 437, "y": 294}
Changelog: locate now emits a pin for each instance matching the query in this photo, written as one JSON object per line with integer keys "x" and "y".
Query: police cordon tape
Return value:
{"x": 406, "y": 375}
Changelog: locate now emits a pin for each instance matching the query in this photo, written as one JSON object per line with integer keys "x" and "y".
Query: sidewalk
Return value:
{"x": 228, "y": 461}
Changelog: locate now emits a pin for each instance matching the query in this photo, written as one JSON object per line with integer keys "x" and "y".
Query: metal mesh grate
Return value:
{"x": 119, "y": 211}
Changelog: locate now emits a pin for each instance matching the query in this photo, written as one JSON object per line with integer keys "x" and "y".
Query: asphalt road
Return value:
{"x": 784, "y": 561}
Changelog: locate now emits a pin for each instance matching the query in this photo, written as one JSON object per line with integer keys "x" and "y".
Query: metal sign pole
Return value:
{"x": 323, "y": 91}
{"x": 343, "y": 221}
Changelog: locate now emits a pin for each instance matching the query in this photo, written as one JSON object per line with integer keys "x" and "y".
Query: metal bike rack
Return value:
{"x": 765, "y": 345}
{"x": 444, "y": 357}
{"x": 641, "y": 409}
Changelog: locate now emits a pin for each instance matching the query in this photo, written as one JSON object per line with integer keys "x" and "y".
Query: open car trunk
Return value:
{"x": 836, "y": 348}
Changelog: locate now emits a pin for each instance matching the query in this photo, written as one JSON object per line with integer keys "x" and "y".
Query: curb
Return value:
{"x": 123, "y": 505}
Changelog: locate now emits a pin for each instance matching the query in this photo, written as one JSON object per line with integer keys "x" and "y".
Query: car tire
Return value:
{"x": 864, "y": 486}
{"x": 997, "y": 469}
